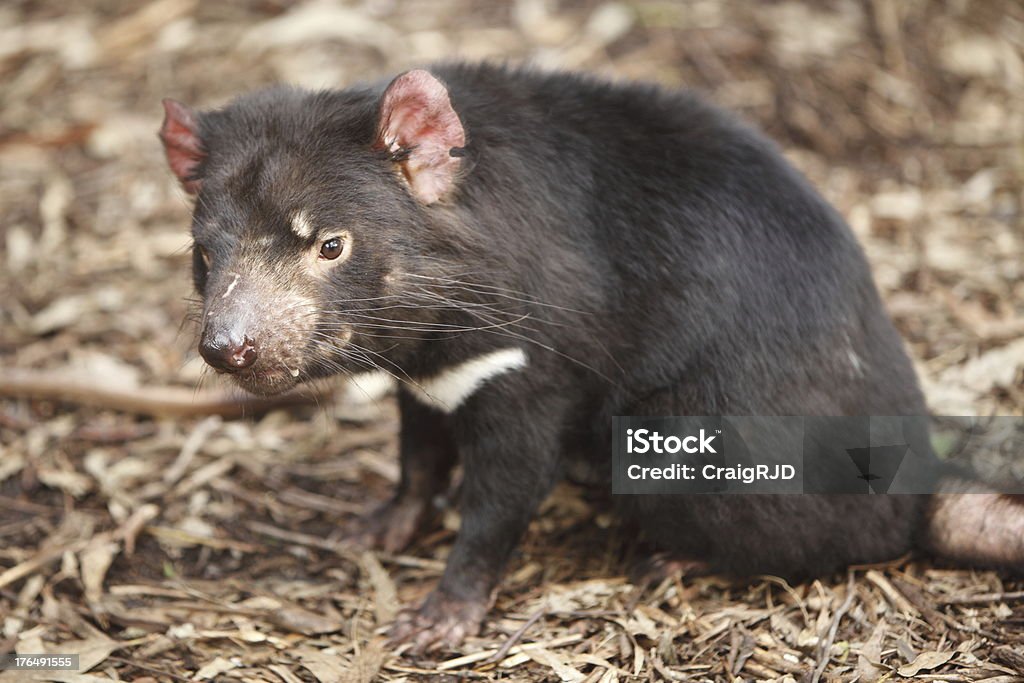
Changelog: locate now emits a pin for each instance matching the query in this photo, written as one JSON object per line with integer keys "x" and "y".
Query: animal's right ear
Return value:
{"x": 184, "y": 149}
{"x": 422, "y": 132}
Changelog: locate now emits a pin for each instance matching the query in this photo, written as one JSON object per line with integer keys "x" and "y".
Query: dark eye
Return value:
{"x": 331, "y": 249}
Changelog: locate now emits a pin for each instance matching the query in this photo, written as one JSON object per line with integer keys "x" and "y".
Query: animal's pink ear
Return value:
{"x": 184, "y": 149}
{"x": 422, "y": 132}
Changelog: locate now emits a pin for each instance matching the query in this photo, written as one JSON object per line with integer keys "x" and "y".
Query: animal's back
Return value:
{"x": 704, "y": 255}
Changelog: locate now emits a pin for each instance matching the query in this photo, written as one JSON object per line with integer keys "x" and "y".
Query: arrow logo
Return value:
{"x": 878, "y": 465}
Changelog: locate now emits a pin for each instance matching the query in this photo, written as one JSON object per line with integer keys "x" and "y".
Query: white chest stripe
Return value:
{"x": 368, "y": 387}
{"x": 451, "y": 387}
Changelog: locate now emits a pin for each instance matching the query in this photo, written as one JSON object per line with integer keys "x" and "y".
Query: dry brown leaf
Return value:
{"x": 134, "y": 525}
{"x": 994, "y": 368}
{"x": 926, "y": 661}
{"x": 74, "y": 483}
{"x": 215, "y": 668}
{"x": 301, "y": 620}
{"x": 318, "y": 20}
{"x": 366, "y": 663}
{"x": 326, "y": 667}
{"x": 869, "y": 657}
{"x": 386, "y": 603}
{"x": 560, "y": 667}
{"x": 94, "y": 561}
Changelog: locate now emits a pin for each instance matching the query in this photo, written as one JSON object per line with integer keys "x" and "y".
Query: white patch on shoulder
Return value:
{"x": 301, "y": 225}
{"x": 448, "y": 390}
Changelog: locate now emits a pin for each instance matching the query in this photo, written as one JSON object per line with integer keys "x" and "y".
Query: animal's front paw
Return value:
{"x": 442, "y": 622}
{"x": 391, "y": 527}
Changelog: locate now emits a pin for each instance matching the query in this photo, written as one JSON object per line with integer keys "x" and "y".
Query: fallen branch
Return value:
{"x": 515, "y": 637}
{"x": 157, "y": 401}
{"x": 38, "y": 561}
{"x": 983, "y": 598}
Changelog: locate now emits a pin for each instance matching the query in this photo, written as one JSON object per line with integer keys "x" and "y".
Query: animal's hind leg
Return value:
{"x": 792, "y": 535}
{"x": 970, "y": 522}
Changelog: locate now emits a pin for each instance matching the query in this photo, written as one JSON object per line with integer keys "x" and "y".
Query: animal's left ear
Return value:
{"x": 184, "y": 149}
{"x": 422, "y": 132}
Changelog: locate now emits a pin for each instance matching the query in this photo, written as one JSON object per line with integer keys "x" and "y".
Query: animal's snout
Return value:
{"x": 256, "y": 328}
{"x": 228, "y": 352}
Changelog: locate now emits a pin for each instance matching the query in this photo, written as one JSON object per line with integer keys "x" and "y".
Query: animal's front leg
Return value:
{"x": 427, "y": 454}
{"x": 509, "y": 450}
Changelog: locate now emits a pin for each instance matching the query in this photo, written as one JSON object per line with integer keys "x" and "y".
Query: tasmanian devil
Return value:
{"x": 531, "y": 254}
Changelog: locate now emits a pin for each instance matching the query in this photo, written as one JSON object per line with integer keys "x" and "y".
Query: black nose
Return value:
{"x": 228, "y": 354}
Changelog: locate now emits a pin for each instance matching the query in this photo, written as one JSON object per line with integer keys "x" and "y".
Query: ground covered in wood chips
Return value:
{"x": 147, "y": 528}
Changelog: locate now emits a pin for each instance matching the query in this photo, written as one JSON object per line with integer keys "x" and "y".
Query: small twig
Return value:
{"x": 833, "y": 629}
{"x": 784, "y": 585}
{"x": 38, "y": 561}
{"x": 984, "y": 598}
{"x": 486, "y": 654}
{"x": 340, "y": 548}
{"x": 104, "y": 434}
{"x": 923, "y": 604}
{"x": 515, "y": 637}
{"x": 183, "y": 537}
{"x": 25, "y": 506}
{"x": 150, "y": 669}
{"x": 298, "y": 538}
{"x": 898, "y": 600}
{"x": 592, "y": 614}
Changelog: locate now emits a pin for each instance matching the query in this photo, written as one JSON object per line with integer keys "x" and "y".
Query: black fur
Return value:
{"x": 671, "y": 262}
